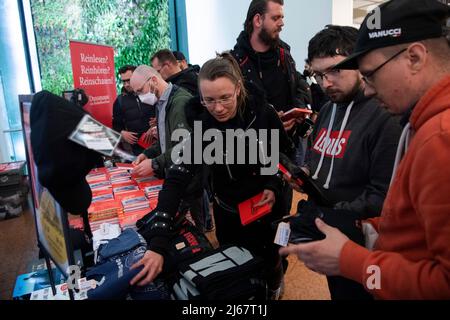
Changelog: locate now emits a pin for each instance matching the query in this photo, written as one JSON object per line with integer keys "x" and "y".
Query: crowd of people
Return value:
{"x": 379, "y": 147}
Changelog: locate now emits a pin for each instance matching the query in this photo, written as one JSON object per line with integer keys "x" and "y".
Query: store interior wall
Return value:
{"x": 222, "y": 21}
{"x": 303, "y": 20}
{"x": 342, "y": 11}
{"x": 213, "y": 26}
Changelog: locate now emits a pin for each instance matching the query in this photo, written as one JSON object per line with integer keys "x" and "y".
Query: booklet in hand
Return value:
{"x": 249, "y": 213}
{"x": 295, "y": 114}
{"x": 143, "y": 143}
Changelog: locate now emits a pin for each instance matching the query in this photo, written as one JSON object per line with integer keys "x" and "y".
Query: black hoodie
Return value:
{"x": 187, "y": 79}
{"x": 251, "y": 62}
{"x": 355, "y": 170}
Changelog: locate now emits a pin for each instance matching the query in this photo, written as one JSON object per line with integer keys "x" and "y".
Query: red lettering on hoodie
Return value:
{"x": 332, "y": 145}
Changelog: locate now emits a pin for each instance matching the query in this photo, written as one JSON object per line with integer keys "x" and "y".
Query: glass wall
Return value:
{"x": 14, "y": 80}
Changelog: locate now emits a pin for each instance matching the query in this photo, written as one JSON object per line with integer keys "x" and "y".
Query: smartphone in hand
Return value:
{"x": 295, "y": 113}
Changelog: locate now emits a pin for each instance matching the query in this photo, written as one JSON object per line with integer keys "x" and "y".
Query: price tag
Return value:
{"x": 85, "y": 285}
{"x": 180, "y": 246}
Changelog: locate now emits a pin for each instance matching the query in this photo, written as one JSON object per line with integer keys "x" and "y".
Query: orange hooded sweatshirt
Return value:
{"x": 412, "y": 252}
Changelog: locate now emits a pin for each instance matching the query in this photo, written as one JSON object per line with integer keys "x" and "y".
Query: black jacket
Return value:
{"x": 250, "y": 64}
{"x": 231, "y": 184}
{"x": 130, "y": 114}
{"x": 186, "y": 79}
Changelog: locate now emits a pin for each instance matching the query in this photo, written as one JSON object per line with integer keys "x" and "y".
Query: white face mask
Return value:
{"x": 148, "y": 98}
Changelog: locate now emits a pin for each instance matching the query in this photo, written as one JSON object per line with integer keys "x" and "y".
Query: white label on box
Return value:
{"x": 180, "y": 246}
{"x": 283, "y": 234}
{"x": 85, "y": 285}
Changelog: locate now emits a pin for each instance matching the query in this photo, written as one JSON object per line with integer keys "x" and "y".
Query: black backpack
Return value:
{"x": 228, "y": 273}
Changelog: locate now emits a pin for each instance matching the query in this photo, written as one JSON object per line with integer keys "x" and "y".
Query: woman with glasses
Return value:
{"x": 224, "y": 104}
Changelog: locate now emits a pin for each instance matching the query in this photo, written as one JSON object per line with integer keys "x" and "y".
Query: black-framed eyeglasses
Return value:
{"x": 125, "y": 81}
{"x": 367, "y": 75}
{"x": 328, "y": 75}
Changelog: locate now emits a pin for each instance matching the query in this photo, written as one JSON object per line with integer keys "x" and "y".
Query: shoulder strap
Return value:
{"x": 283, "y": 57}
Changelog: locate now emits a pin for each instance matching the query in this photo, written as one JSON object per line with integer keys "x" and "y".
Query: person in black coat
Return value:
{"x": 224, "y": 107}
{"x": 266, "y": 62}
{"x": 167, "y": 65}
{"x": 183, "y": 63}
{"x": 131, "y": 117}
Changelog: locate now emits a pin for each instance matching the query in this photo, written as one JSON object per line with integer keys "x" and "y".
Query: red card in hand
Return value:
{"x": 284, "y": 171}
{"x": 144, "y": 144}
{"x": 288, "y": 174}
{"x": 249, "y": 214}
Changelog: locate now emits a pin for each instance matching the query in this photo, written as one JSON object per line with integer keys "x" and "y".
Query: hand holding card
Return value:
{"x": 144, "y": 142}
{"x": 252, "y": 210}
{"x": 295, "y": 113}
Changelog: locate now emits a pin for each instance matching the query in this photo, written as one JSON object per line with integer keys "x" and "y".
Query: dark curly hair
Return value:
{"x": 333, "y": 41}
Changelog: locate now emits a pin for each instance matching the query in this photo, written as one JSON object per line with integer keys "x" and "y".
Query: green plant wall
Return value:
{"x": 135, "y": 28}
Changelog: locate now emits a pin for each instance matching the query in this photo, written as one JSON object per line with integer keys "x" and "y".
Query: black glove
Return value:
{"x": 304, "y": 229}
{"x": 308, "y": 185}
{"x": 303, "y": 225}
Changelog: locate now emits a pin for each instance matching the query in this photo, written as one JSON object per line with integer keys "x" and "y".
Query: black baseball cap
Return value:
{"x": 179, "y": 55}
{"x": 401, "y": 21}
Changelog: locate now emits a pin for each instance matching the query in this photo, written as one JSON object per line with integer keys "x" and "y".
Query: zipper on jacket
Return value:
{"x": 251, "y": 122}
{"x": 139, "y": 106}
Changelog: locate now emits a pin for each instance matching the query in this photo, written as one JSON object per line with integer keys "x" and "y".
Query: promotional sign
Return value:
{"x": 50, "y": 225}
{"x": 93, "y": 71}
